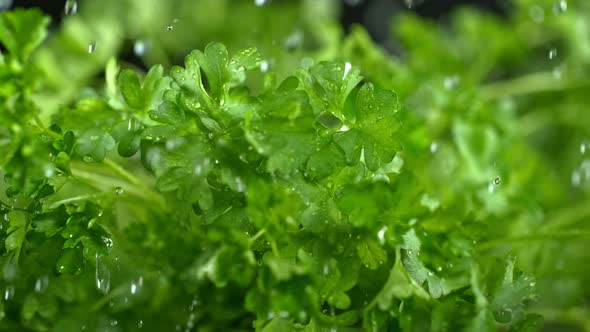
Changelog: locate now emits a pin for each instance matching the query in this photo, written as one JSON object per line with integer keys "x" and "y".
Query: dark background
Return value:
{"x": 355, "y": 11}
{"x": 374, "y": 15}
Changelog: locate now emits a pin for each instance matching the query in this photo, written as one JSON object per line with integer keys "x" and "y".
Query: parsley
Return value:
{"x": 360, "y": 192}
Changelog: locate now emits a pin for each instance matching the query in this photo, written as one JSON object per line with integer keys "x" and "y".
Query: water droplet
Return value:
{"x": 552, "y": 53}
{"x": 307, "y": 62}
{"x": 347, "y": 67}
{"x": 260, "y": 3}
{"x": 584, "y": 147}
{"x": 42, "y": 284}
{"x": 92, "y": 47}
{"x": 169, "y": 27}
{"x": 9, "y": 292}
{"x": 381, "y": 234}
{"x": 103, "y": 275}
{"x": 133, "y": 288}
{"x": 71, "y": 7}
{"x": 411, "y": 3}
{"x": 48, "y": 171}
{"x": 114, "y": 322}
{"x": 119, "y": 191}
{"x": 264, "y": 66}
{"x": 560, "y": 7}
{"x": 497, "y": 181}
{"x": 294, "y": 40}
{"x": 537, "y": 14}
{"x": 140, "y": 323}
{"x": 140, "y": 47}
{"x": 433, "y": 147}
{"x": 451, "y": 82}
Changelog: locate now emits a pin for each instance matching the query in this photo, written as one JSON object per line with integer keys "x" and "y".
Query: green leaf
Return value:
{"x": 22, "y": 31}
{"x": 399, "y": 286}
{"x": 131, "y": 88}
{"x": 375, "y": 128}
{"x": 214, "y": 64}
{"x": 371, "y": 253}
{"x": 15, "y": 239}
{"x": 168, "y": 112}
{"x": 95, "y": 143}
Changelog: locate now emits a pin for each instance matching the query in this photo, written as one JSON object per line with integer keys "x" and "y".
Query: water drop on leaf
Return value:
{"x": 119, "y": 191}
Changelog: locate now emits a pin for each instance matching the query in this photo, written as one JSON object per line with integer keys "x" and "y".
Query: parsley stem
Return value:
{"x": 75, "y": 199}
{"x": 105, "y": 182}
{"x": 525, "y": 239}
{"x": 122, "y": 172}
{"x": 527, "y": 84}
{"x": 257, "y": 236}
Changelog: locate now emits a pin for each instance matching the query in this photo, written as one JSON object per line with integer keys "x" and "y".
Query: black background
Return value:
{"x": 374, "y": 15}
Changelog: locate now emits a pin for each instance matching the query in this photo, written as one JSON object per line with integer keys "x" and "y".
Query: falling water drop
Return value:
{"x": 552, "y": 53}
{"x": 433, "y": 147}
{"x": 411, "y": 3}
{"x": 9, "y": 292}
{"x": 560, "y": 7}
{"x": 92, "y": 47}
{"x": 497, "y": 181}
{"x": 140, "y": 47}
{"x": 264, "y": 66}
{"x": 42, "y": 284}
{"x": 103, "y": 275}
{"x": 71, "y": 7}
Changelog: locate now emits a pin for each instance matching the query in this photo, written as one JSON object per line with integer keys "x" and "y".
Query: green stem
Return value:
{"x": 568, "y": 216}
{"x": 527, "y": 84}
{"x": 136, "y": 188}
{"x": 122, "y": 172}
{"x": 75, "y": 199}
{"x": 526, "y": 239}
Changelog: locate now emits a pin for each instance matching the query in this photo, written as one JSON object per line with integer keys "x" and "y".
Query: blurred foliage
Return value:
{"x": 444, "y": 188}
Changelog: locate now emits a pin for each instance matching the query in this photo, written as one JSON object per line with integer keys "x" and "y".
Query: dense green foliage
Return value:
{"x": 341, "y": 189}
